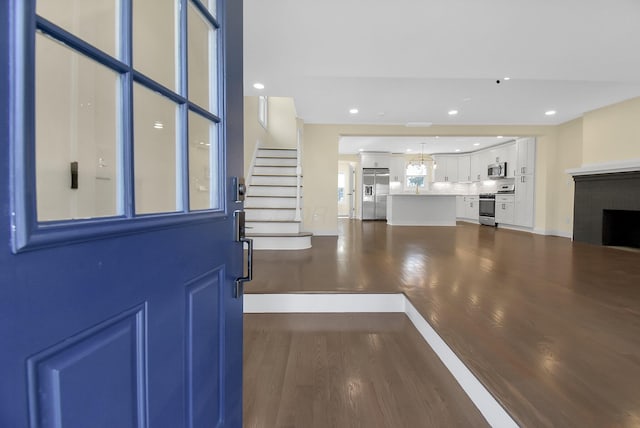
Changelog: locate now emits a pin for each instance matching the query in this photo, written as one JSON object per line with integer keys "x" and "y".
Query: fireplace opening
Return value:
{"x": 621, "y": 228}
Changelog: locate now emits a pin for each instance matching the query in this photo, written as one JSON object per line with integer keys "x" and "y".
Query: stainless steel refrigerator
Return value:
{"x": 375, "y": 188}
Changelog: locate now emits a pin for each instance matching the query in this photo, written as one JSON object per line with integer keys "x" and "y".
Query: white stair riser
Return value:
{"x": 272, "y": 191}
{"x": 275, "y": 161}
{"x": 281, "y": 243}
{"x": 267, "y": 214}
{"x": 257, "y": 227}
{"x": 271, "y": 203}
{"x": 277, "y": 181}
{"x": 270, "y": 153}
{"x": 275, "y": 170}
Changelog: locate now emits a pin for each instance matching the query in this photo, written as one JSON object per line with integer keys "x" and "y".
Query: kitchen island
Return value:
{"x": 410, "y": 209}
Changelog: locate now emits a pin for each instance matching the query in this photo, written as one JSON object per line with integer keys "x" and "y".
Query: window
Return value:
{"x": 124, "y": 106}
{"x": 341, "y": 183}
{"x": 263, "y": 113}
{"x": 416, "y": 174}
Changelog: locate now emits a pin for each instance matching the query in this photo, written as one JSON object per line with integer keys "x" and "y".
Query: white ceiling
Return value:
{"x": 417, "y": 145}
{"x": 414, "y": 60}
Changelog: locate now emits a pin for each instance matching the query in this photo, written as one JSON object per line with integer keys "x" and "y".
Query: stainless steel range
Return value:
{"x": 487, "y": 209}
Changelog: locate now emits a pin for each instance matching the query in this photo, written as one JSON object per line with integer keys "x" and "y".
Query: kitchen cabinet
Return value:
{"x": 397, "y": 168}
{"x": 481, "y": 162}
{"x": 471, "y": 207}
{"x": 526, "y": 156}
{"x": 375, "y": 160}
{"x": 494, "y": 155}
{"x": 525, "y": 182}
{"x": 447, "y": 169}
{"x": 478, "y": 166}
{"x": 464, "y": 169}
{"x": 505, "y": 213}
{"x": 511, "y": 158}
{"x": 524, "y": 197}
{"x": 460, "y": 206}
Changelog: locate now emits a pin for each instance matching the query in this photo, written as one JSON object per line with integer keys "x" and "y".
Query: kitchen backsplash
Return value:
{"x": 489, "y": 186}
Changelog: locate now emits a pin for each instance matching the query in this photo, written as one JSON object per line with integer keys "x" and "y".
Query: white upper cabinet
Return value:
{"x": 511, "y": 159}
{"x": 397, "y": 168}
{"x": 464, "y": 169}
{"x": 446, "y": 169}
{"x": 477, "y": 166}
{"x": 526, "y": 156}
{"x": 375, "y": 160}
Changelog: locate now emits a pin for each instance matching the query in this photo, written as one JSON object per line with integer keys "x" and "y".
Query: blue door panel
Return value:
{"x": 102, "y": 371}
{"x": 137, "y": 328}
{"x": 204, "y": 330}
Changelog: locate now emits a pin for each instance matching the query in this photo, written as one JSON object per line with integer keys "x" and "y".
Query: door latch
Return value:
{"x": 240, "y": 189}
{"x": 240, "y": 230}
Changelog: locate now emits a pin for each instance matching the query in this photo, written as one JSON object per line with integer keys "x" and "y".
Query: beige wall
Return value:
{"x": 282, "y": 126}
{"x": 608, "y": 134}
{"x": 320, "y": 180}
{"x": 568, "y": 154}
{"x": 612, "y": 133}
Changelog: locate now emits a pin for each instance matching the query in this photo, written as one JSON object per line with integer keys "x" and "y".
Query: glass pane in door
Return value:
{"x": 154, "y": 40}
{"x": 78, "y": 167}
{"x": 155, "y": 152}
{"x": 95, "y": 21}
{"x": 203, "y": 164}
{"x": 202, "y": 42}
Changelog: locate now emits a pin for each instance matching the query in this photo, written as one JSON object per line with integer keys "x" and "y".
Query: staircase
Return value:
{"x": 274, "y": 202}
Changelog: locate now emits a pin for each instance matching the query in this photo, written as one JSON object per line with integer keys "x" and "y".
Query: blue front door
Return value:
{"x": 121, "y": 132}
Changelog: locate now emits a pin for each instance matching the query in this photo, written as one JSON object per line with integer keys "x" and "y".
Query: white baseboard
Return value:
{"x": 322, "y": 232}
{"x": 323, "y": 303}
{"x": 432, "y": 223}
{"x": 559, "y": 233}
{"x": 488, "y": 406}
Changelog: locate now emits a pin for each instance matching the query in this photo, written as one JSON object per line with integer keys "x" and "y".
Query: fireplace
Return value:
{"x": 607, "y": 209}
{"x": 621, "y": 228}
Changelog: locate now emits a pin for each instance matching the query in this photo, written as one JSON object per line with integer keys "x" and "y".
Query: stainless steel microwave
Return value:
{"x": 497, "y": 170}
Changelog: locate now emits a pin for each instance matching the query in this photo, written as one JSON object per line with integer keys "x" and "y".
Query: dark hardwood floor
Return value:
{"x": 347, "y": 370}
{"x": 550, "y": 327}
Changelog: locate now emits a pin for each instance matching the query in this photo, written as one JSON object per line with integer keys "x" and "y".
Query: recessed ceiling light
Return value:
{"x": 158, "y": 125}
{"x": 506, "y": 78}
{"x": 550, "y": 112}
{"x": 408, "y": 150}
{"x": 453, "y": 112}
{"x": 353, "y": 111}
{"x": 437, "y": 136}
{"x": 361, "y": 150}
{"x": 258, "y": 85}
{"x": 457, "y": 150}
{"x": 499, "y": 136}
{"x": 476, "y": 144}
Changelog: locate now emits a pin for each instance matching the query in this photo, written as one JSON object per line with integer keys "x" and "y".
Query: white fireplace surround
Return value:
{"x": 630, "y": 165}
